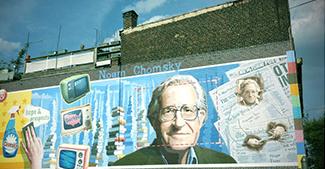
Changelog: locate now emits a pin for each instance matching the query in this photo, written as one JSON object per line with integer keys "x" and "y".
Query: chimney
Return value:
{"x": 130, "y": 19}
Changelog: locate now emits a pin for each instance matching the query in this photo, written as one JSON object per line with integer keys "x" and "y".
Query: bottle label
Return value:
{"x": 10, "y": 144}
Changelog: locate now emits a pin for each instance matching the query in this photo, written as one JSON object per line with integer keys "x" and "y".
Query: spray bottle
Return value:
{"x": 10, "y": 140}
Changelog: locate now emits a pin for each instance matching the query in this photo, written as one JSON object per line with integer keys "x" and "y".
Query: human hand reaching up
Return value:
{"x": 33, "y": 149}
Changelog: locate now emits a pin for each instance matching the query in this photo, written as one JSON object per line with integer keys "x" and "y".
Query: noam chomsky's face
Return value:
{"x": 179, "y": 133}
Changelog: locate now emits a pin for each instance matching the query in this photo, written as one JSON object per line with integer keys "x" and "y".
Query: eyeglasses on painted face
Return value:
{"x": 188, "y": 112}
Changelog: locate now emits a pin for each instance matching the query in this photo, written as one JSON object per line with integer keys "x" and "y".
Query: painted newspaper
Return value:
{"x": 255, "y": 112}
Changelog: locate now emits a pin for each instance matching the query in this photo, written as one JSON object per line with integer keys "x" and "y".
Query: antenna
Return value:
{"x": 23, "y": 53}
{"x": 57, "y": 48}
{"x": 96, "y": 36}
{"x": 59, "y": 36}
{"x": 28, "y": 43}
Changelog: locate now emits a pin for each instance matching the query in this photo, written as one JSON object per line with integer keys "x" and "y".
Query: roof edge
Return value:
{"x": 181, "y": 17}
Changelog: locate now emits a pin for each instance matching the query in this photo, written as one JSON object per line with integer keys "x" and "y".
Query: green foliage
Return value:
{"x": 314, "y": 136}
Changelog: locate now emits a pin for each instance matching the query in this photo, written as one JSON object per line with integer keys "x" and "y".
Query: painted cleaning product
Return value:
{"x": 10, "y": 140}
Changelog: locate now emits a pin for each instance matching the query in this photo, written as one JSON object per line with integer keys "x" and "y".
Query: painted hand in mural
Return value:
{"x": 276, "y": 130}
{"x": 33, "y": 149}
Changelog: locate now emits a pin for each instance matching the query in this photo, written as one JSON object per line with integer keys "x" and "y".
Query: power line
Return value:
{"x": 302, "y": 4}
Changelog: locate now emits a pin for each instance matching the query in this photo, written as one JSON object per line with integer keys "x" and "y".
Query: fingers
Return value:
{"x": 39, "y": 147}
{"x": 24, "y": 146}
{"x": 278, "y": 133}
{"x": 33, "y": 148}
{"x": 30, "y": 140}
{"x": 26, "y": 151}
{"x": 33, "y": 143}
{"x": 33, "y": 134}
{"x": 39, "y": 142}
{"x": 28, "y": 136}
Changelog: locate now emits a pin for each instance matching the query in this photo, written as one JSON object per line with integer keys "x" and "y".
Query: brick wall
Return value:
{"x": 243, "y": 24}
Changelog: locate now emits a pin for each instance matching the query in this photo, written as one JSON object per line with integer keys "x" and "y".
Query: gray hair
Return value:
{"x": 246, "y": 82}
{"x": 154, "y": 106}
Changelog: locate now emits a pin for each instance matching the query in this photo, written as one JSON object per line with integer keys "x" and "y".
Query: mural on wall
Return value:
{"x": 248, "y": 118}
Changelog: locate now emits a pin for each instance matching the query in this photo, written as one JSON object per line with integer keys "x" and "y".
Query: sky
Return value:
{"x": 90, "y": 22}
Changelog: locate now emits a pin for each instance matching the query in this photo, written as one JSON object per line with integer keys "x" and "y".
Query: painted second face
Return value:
{"x": 250, "y": 94}
{"x": 179, "y": 134}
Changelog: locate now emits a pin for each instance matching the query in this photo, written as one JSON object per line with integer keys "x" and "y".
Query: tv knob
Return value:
{"x": 80, "y": 161}
{"x": 80, "y": 155}
{"x": 88, "y": 124}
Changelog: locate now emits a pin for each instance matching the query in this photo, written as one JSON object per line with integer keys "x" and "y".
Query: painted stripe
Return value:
{"x": 299, "y": 135}
{"x": 295, "y": 100}
{"x": 300, "y": 148}
{"x": 291, "y": 56}
{"x": 294, "y": 90}
{"x": 292, "y": 68}
{"x": 299, "y": 160}
{"x": 296, "y": 113}
{"x": 292, "y": 78}
{"x": 298, "y": 124}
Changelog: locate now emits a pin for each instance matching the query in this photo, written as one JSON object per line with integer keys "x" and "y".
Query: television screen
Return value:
{"x": 74, "y": 87}
{"x": 72, "y": 119}
{"x": 71, "y": 92}
{"x": 81, "y": 86}
{"x": 67, "y": 159}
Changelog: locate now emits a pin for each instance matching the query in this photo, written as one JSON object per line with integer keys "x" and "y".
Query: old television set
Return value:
{"x": 76, "y": 119}
{"x": 70, "y": 156}
{"x": 74, "y": 87}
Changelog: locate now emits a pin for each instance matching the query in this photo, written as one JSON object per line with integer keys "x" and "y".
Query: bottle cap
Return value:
{"x": 14, "y": 109}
